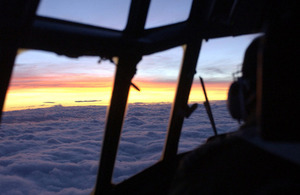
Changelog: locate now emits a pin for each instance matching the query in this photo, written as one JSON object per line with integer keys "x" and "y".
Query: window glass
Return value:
{"x": 40, "y": 77}
{"x": 111, "y": 14}
{"x": 164, "y": 12}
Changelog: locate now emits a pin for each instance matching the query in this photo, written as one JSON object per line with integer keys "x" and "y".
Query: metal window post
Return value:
{"x": 188, "y": 69}
{"x": 16, "y": 17}
{"x": 126, "y": 69}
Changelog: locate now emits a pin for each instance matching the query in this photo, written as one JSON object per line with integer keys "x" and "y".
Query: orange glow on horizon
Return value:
{"x": 152, "y": 92}
{"x": 99, "y": 93}
{"x": 215, "y": 91}
{"x": 18, "y": 99}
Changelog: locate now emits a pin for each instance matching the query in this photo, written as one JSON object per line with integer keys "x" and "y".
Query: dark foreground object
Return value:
{"x": 235, "y": 166}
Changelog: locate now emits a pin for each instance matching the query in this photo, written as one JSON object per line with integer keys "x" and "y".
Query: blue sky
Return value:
{"x": 218, "y": 59}
{"x": 113, "y": 13}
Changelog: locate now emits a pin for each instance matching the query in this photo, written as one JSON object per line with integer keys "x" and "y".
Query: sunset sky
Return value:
{"x": 43, "y": 79}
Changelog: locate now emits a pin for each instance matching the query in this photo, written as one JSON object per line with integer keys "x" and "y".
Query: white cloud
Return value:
{"x": 56, "y": 150}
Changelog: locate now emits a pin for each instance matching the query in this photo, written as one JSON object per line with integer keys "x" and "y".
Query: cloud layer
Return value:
{"x": 56, "y": 150}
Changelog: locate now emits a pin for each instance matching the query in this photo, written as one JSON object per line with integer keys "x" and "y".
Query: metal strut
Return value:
{"x": 16, "y": 17}
{"x": 126, "y": 69}
{"x": 188, "y": 69}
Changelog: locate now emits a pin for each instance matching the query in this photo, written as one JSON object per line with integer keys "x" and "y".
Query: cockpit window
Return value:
{"x": 167, "y": 12}
{"x": 111, "y": 14}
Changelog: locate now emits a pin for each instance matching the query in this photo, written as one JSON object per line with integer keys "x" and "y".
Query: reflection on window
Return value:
{"x": 108, "y": 14}
{"x": 164, "y": 12}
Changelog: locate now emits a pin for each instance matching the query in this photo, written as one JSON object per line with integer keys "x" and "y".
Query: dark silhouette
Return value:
{"x": 240, "y": 162}
{"x": 242, "y": 93}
